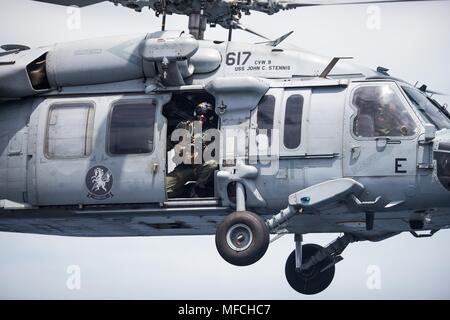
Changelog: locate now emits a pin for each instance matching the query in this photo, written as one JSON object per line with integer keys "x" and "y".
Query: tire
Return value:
{"x": 310, "y": 281}
{"x": 242, "y": 238}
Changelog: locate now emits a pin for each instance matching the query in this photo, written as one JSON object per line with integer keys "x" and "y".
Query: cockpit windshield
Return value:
{"x": 428, "y": 107}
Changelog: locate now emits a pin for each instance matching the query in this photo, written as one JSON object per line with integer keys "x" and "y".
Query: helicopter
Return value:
{"x": 306, "y": 144}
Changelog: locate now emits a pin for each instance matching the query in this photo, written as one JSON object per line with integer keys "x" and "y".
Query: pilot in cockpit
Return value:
{"x": 392, "y": 120}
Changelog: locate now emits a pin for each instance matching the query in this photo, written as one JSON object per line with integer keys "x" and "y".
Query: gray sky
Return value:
{"x": 412, "y": 41}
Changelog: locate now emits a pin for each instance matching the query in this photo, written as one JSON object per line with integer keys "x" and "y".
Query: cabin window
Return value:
{"x": 69, "y": 130}
{"x": 132, "y": 128}
{"x": 265, "y": 116}
{"x": 381, "y": 113}
{"x": 293, "y": 122}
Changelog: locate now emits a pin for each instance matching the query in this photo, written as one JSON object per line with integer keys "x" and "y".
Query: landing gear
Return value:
{"x": 310, "y": 268}
{"x": 314, "y": 279}
{"x": 242, "y": 238}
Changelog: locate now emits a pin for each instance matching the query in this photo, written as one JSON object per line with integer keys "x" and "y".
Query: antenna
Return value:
{"x": 331, "y": 65}
{"x": 238, "y": 25}
{"x": 277, "y": 41}
{"x": 383, "y": 71}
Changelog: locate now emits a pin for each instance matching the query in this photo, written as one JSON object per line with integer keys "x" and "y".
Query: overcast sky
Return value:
{"x": 411, "y": 40}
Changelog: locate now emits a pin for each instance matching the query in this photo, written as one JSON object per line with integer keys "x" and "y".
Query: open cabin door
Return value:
{"x": 100, "y": 150}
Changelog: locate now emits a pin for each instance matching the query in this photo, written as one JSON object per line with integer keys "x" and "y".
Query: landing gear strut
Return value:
{"x": 310, "y": 268}
{"x": 243, "y": 237}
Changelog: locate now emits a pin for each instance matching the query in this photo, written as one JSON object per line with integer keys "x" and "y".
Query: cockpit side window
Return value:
{"x": 381, "y": 113}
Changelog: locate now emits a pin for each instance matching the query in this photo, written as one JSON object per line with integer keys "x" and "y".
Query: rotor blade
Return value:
{"x": 277, "y": 5}
{"x": 310, "y": 3}
{"x": 79, "y": 3}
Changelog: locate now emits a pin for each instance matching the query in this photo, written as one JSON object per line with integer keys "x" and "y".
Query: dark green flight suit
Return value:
{"x": 184, "y": 172}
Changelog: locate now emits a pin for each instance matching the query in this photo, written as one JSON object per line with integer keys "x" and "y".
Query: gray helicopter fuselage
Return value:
{"x": 56, "y": 131}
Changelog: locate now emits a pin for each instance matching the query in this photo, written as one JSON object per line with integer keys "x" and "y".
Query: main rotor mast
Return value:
{"x": 197, "y": 25}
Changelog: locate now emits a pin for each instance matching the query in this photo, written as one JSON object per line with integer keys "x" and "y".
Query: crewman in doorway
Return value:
{"x": 192, "y": 168}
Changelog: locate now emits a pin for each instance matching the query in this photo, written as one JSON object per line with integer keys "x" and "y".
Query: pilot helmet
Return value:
{"x": 204, "y": 111}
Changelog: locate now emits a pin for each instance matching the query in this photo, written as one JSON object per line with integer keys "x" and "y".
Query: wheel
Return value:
{"x": 310, "y": 281}
{"x": 242, "y": 238}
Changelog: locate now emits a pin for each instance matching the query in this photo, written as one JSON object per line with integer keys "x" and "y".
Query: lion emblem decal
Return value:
{"x": 99, "y": 182}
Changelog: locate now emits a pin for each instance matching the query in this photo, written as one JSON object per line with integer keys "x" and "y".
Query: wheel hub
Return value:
{"x": 239, "y": 237}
